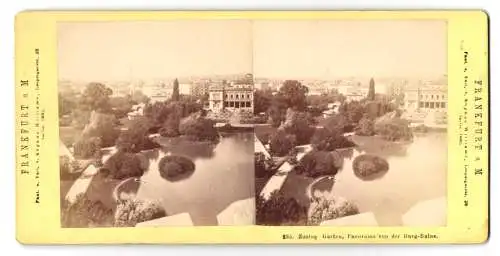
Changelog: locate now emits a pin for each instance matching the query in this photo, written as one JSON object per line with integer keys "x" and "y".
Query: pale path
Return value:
{"x": 81, "y": 185}
{"x": 259, "y": 147}
{"x": 277, "y": 180}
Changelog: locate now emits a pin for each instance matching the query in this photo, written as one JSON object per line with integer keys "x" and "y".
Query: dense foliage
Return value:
{"x": 365, "y": 127}
{"x": 366, "y": 166}
{"x": 122, "y": 165}
{"x": 299, "y": 125}
{"x": 317, "y": 163}
{"x": 102, "y": 126}
{"x": 329, "y": 140}
{"x": 86, "y": 148}
{"x": 174, "y": 168}
{"x": 136, "y": 137}
{"x": 281, "y": 143}
{"x": 279, "y": 210}
{"x": 85, "y": 213}
{"x": 393, "y": 129}
{"x": 323, "y": 209}
{"x": 132, "y": 211}
{"x": 96, "y": 97}
{"x": 198, "y": 128}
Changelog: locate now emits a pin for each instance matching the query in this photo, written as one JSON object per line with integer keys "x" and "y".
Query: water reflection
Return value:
{"x": 417, "y": 172}
{"x": 219, "y": 180}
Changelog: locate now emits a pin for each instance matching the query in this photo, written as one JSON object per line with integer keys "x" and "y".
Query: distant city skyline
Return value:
{"x": 274, "y": 49}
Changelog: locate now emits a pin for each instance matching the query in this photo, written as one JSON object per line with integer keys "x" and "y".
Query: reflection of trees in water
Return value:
{"x": 193, "y": 150}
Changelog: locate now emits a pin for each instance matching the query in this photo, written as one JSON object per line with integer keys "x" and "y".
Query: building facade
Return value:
{"x": 427, "y": 98}
{"x": 231, "y": 97}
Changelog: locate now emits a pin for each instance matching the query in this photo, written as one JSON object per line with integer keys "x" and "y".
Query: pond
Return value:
{"x": 223, "y": 174}
{"x": 417, "y": 172}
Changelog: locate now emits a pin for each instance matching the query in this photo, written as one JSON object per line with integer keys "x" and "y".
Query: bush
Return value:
{"x": 85, "y": 213}
{"x": 279, "y": 211}
{"x": 281, "y": 143}
{"x": 394, "y": 129}
{"x": 80, "y": 118}
{"x": 317, "y": 163}
{"x": 299, "y": 125}
{"x": 366, "y": 127}
{"x": 171, "y": 127}
{"x": 86, "y": 148}
{"x": 174, "y": 168}
{"x": 323, "y": 209}
{"x": 198, "y": 128}
{"x": 122, "y": 165}
{"x": 329, "y": 140}
{"x": 368, "y": 166}
{"x": 262, "y": 165}
{"x": 130, "y": 212}
{"x": 136, "y": 139}
{"x": 102, "y": 126}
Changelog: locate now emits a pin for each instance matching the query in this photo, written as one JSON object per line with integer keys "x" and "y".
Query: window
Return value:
{"x": 432, "y": 96}
{"x": 231, "y": 96}
{"x": 421, "y": 104}
{"x": 442, "y": 97}
{"x": 443, "y": 104}
{"x": 432, "y": 105}
{"x": 226, "y": 104}
{"x": 237, "y": 104}
{"x": 247, "y": 104}
{"x": 231, "y": 104}
{"x": 237, "y": 95}
{"x": 426, "y": 104}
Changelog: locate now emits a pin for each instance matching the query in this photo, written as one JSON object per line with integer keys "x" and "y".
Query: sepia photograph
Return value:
{"x": 356, "y": 122}
{"x": 155, "y": 123}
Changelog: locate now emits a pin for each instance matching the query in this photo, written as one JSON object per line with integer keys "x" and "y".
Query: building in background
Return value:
{"x": 232, "y": 97}
{"x": 427, "y": 98}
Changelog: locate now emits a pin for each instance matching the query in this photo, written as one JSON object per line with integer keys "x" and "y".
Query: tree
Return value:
{"x": 261, "y": 100}
{"x": 175, "y": 168}
{"x": 299, "y": 125}
{"x": 371, "y": 90}
{"x": 122, "y": 165}
{"x": 294, "y": 94}
{"x": 86, "y": 148}
{"x": 136, "y": 139}
{"x": 96, "y": 97}
{"x": 279, "y": 210}
{"x": 139, "y": 97}
{"x": 329, "y": 140}
{"x": 281, "y": 143}
{"x": 175, "y": 93}
{"x": 196, "y": 127}
{"x": 366, "y": 126}
{"x": 103, "y": 127}
{"x": 317, "y": 163}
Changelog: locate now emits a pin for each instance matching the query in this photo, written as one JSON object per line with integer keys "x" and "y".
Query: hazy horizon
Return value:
{"x": 294, "y": 49}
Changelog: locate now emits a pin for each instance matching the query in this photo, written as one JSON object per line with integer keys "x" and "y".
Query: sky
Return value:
{"x": 327, "y": 48}
{"x": 318, "y": 49}
{"x": 153, "y": 49}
